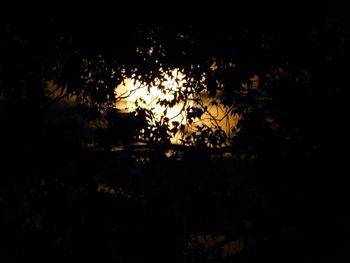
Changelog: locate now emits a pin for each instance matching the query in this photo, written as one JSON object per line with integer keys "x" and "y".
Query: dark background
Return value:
{"x": 291, "y": 204}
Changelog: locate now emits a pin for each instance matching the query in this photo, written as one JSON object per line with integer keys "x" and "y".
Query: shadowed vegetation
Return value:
{"x": 249, "y": 167}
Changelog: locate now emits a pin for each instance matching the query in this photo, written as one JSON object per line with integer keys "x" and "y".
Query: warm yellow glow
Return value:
{"x": 54, "y": 91}
{"x": 132, "y": 94}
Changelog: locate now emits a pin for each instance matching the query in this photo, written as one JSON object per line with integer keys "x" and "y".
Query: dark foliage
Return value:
{"x": 281, "y": 196}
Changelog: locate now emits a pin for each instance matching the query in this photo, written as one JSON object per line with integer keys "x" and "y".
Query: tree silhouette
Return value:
{"x": 222, "y": 195}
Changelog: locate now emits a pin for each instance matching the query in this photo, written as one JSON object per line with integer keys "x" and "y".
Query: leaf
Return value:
{"x": 174, "y": 131}
{"x": 175, "y": 123}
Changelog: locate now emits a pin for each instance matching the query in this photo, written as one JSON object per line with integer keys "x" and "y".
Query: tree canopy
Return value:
{"x": 86, "y": 60}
